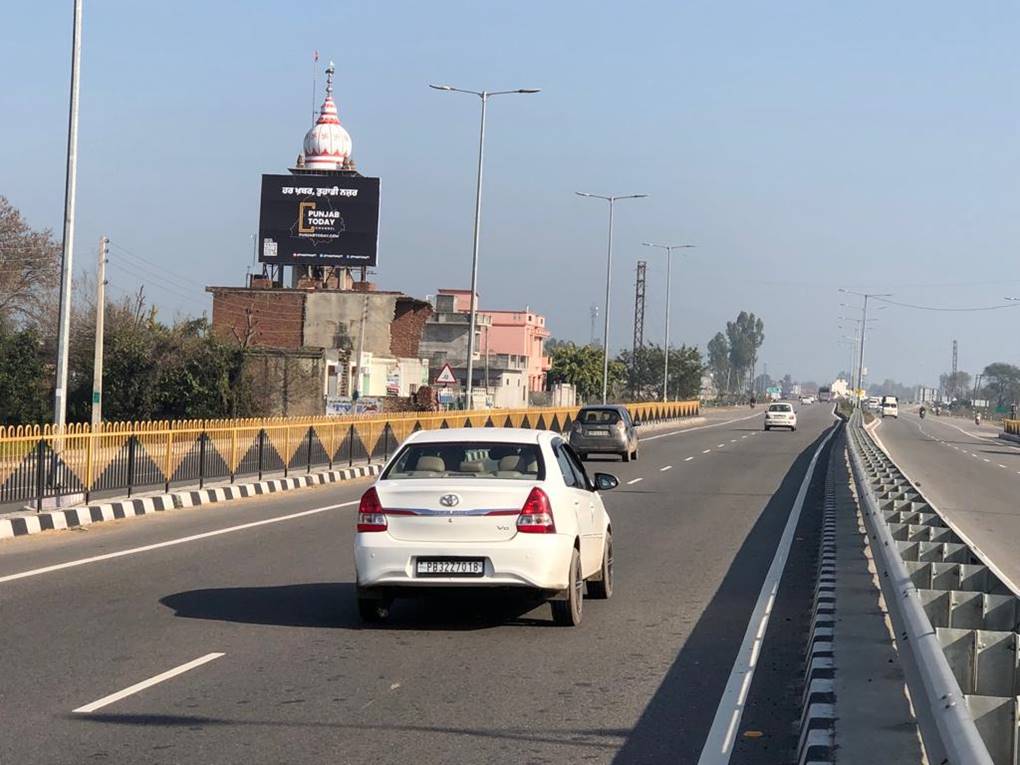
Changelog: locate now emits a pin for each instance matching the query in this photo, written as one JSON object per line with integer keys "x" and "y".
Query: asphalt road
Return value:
{"x": 970, "y": 474}
{"x": 268, "y": 584}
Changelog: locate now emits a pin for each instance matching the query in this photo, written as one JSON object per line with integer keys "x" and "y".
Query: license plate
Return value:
{"x": 450, "y": 567}
{"x": 598, "y": 432}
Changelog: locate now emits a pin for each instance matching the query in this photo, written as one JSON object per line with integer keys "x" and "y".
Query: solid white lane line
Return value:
{"x": 634, "y": 481}
{"x": 170, "y": 542}
{"x": 688, "y": 459}
{"x": 719, "y": 744}
{"x": 664, "y": 469}
{"x": 706, "y": 451}
{"x": 133, "y": 689}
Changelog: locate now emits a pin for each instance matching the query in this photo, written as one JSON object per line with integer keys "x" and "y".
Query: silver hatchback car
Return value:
{"x": 605, "y": 429}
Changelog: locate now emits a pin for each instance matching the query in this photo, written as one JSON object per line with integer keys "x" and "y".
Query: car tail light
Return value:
{"x": 371, "y": 516}
{"x": 536, "y": 516}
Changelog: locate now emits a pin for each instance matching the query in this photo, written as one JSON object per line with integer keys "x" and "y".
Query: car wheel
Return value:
{"x": 635, "y": 454}
{"x": 625, "y": 456}
{"x": 602, "y": 588}
{"x": 568, "y": 613}
{"x": 766, "y": 428}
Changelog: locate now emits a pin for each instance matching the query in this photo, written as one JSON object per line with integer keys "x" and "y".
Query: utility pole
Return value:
{"x": 356, "y": 386}
{"x": 97, "y": 363}
{"x": 67, "y": 261}
{"x": 864, "y": 328}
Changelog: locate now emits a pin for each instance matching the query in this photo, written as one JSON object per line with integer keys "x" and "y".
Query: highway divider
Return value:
{"x": 40, "y": 466}
{"x": 955, "y": 622}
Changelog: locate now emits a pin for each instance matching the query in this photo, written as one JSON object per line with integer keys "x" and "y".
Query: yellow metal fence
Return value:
{"x": 1011, "y": 426}
{"x": 38, "y": 462}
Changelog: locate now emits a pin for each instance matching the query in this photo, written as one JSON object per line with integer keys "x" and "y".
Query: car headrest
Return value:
{"x": 472, "y": 467}
{"x": 510, "y": 462}
{"x": 431, "y": 464}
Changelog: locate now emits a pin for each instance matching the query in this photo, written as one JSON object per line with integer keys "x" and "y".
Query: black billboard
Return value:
{"x": 319, "y": 220}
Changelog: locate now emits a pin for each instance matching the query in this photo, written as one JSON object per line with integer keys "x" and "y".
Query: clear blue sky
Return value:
{"x": 801, "y": 145}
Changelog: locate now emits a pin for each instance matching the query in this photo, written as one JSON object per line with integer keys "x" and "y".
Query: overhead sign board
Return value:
{"x": 446, "y": 377}
{"x": 319, "y": 220}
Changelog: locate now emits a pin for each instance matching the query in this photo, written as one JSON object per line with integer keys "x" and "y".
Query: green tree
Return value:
{"x": 1002, "y": 382}
{"x": 719, "y": 362}
{"x": 645, "y": 370}
{"x": 24, "y": 391}
{"x": 581, "y": 366}
{"x": 745, "y": 336}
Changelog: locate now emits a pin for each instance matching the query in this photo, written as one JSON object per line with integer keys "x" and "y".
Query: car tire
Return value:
{"x": 766, "y": 428}
{"x": 569, "y": 612}
{"x": 373, "y": 610}
{"x": 636, "y": 454}
{"x": 602, "y": 588}
{"x": 625, "y": 456}
{"x": 793, "y": 429}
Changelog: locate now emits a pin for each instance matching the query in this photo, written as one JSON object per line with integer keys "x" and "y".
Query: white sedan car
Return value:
{"x": 780, "y": 415}
{"x": 485, "y": 507}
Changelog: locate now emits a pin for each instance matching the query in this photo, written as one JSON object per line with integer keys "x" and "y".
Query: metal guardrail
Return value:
{"x": 955, "y": 621}
{"x": 1011, "y": 426}
{"x": 38, "y": 463}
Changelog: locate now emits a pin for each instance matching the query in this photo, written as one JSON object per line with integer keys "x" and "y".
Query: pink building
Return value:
{"x": 522, "y": 333}
{"x": 513, "y": 333}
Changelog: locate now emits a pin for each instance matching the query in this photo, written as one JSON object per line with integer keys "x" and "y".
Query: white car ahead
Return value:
{"x": 780, "y": 415}
{"x": 485, "y": 507}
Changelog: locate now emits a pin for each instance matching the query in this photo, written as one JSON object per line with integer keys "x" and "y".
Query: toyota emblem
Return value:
{"x": 449, "y": 500}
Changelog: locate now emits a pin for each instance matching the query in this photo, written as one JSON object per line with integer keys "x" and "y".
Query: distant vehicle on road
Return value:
{"x": 890, "y": 407}
{"x": 484, "y": 508}
{"x": 825, "y": 394}
{"x": 780, "y": 415}
{"x": 605, "y": 429}
{"x": 807, "y": 400}
{"x": 874, "y": 403}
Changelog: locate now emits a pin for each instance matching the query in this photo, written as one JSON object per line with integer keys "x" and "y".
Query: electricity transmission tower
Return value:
{"x": 639, "y": 319}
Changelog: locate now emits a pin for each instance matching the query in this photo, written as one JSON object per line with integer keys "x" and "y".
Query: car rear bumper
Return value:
{"x": 539, "y": 561}
{"x": 613, "y": 444}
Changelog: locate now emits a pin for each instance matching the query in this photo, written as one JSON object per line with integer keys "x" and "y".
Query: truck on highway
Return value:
{"x": 824, "y": 394}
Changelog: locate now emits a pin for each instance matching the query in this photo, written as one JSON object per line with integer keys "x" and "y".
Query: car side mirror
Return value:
{"x": 637, "y": 423}
{"x": 606, "y": 481}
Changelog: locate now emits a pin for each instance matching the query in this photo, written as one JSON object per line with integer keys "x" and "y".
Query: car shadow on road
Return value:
{"x": 333, "y": 605}
{"x": 677, "y": 719}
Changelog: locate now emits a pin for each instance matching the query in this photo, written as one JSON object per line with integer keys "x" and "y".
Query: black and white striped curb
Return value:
{"x": 817, "y": 723}
{"x": 22, "y": 525}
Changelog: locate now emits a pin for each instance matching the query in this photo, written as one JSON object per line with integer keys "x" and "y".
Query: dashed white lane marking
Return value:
{"x": 664, "y": 469}
{"x": 635, "y": 480}
{"x": 986, "y": 459}
{"x": 733, "y": 440}
{"x": 706, "y": 451}
{"x": 1003, "y": 467}
{"x": 719, "y": 744}
{"x": 719, "y": 446}
{"x": 171, "y": 542}
{"x": 700, "y": 427}
{"x": 133, "y": 689}
{"x": 688, "y": 459}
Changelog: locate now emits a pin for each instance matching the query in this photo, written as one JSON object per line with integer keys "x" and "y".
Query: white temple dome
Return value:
{"x": 327, "y": 144}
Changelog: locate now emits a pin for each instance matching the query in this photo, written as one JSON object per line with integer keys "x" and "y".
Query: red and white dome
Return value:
{"x": 327, "y": 144}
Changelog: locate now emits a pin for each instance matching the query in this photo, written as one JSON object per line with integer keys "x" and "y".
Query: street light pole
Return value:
{"x": 665, "y": 354}
{"x": 67, "y": 261}
{"x": 864, "y": 328}
{"x": 609, "y": 280}
{"x": 484, "y": 95}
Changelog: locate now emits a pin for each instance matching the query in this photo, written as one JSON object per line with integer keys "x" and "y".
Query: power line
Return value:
{"x": 947, "y": 309}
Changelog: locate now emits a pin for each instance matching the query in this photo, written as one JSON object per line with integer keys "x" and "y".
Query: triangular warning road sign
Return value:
{"x": 446, "y": 377}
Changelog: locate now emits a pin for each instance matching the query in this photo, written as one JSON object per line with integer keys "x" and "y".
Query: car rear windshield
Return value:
{"x": 598, "y": 417}
{"x": 468, "y": 459}
{"x": 780, "y": 408}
